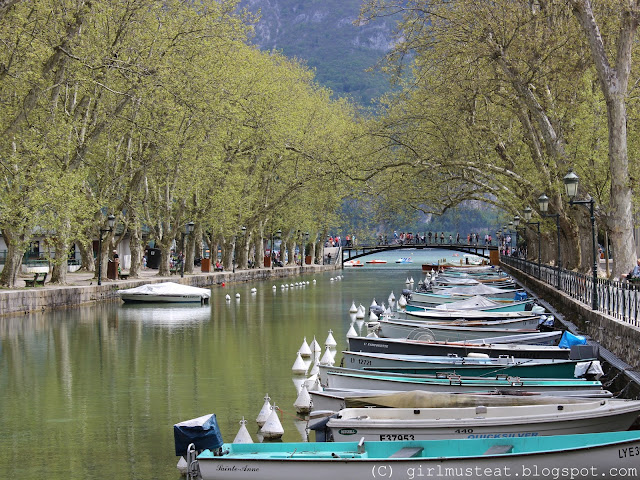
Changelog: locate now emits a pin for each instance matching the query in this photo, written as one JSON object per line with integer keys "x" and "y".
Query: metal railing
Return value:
{"x": 620, "y": 300}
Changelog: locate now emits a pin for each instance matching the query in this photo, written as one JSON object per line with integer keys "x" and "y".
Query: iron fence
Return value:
{"x": 620, "y": 300}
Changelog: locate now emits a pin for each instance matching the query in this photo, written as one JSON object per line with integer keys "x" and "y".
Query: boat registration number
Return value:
{"x": 397, "y": 436}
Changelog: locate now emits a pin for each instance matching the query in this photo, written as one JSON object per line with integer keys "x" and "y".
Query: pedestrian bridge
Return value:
{"x": 357, "y": 251}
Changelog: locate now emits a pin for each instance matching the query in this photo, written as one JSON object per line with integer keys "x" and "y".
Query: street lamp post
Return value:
{"x": 543, "y": 203}
{"x": 527, "y": 216}
{"x": 111, "y": 221}
{"x": 304, "y": 245}
{"x": 571, "y": 181}
{"x": 188, "y": 230}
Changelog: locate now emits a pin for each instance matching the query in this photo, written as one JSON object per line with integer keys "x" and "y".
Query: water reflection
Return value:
{"x": 164, "y": 315}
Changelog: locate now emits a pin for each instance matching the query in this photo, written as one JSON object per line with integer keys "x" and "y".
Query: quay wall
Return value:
{"x": 27, "y": 300}
{"x": 620, "y": 338}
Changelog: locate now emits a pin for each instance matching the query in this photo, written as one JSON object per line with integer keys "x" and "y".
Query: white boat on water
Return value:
{"x": 603, "y": 415}
{"x": 169, "y": 292}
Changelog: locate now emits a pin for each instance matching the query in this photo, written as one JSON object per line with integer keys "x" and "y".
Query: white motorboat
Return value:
{"x": 603, "y": 415}
{"x": 168, "y": 292}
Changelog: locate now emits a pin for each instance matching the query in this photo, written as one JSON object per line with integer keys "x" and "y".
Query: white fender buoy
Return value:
{"x": 392, "y": 297}
{"x": 299, "y": 367}
{"x": 361, "y": 311}
{"x": 373, "y": 304}
{"x": 315, "y": 369}
{"x": 237, "y": 295}
{"x": 272, "y": 428}
{"x": 331, "y": 279}
{"x": 305, "y": 350}
{"x": 314, "y": 281}
{"x": 407, "y": 282}
{"x": 291, "y": 285}
{"x": 353, "y": 308}
{"x": 327, "y": 358}
{"x": 182, "y": 466}
{"x": 352, "y": 332}
{"x": 254, "y": 290}
{"x": 274, "y": 287}
{"x": 315, "y": 346}
{"x": 373, "y": 317}
{"x": 330, "y": 341}
{"x": 411, "y": 280}
{"x": 264, "y": 411}
{"x": 227, "y": 297}
{"x": 315, "y": 387}
{"x": 243, "y": 435}
{"x": 402, "y": 302}
{"x": 303, "y": 402}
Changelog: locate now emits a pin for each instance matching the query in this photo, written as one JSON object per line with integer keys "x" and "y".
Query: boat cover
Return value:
{"x": 167, "y": 288}
{"x": 203, "y": 432}
{"x": 569, "y": 339}
{"x": 476, "y": 289}
{"x": 456, "y": 281}
{"x": 472, "y": 303}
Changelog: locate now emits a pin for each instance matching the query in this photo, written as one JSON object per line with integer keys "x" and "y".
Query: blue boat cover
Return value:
{"x": 569, "y": 339}
{"x": 203, "y": 432}
{"x": 520, "y": 296}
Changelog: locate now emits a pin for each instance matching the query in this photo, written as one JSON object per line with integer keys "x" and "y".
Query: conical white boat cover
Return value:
{"x": 167, "y": 288}
{"x": 456, "y": 281}
{"x": 299, "y": 367}
{"x": 374, "y": 304}
{"x": 353, "y": 308}
{"x": 264, "y": 411}
{"x": 303, "y": 402}
{"x": 352, "y": 332}
{"x": 330, "y": 341}
{"x": 472, "y": 303}
{"x": 272, "y": 428}
{"x": 479, "y": 289}
{"x": 305, "y": 350}
{"x": 243, "y": 435}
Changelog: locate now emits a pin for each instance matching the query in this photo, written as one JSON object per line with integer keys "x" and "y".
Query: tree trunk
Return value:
{"x": 13, "y": 262}
{"x": 60, "y": 264}
{"x": 137, "y": 248}
{"x": 87, "y": 256}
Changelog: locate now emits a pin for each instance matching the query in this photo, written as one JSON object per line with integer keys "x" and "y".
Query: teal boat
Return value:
{"x": 504, "y": 307}
{"x": 583, "y": 456}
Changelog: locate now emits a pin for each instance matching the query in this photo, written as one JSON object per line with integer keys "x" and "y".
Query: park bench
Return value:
{"x": 123, "y": 276}
{"x": 38, "y": 280}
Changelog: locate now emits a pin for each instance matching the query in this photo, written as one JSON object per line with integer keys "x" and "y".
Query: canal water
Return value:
{"x": 93, "y": 392}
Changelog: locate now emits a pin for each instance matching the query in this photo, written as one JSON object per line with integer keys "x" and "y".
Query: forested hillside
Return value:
{"x": 322, "y": 33}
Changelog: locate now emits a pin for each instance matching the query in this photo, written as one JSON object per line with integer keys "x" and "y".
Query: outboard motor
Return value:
{"x": 406, "y": 293}
{"x": 377, "y": 310}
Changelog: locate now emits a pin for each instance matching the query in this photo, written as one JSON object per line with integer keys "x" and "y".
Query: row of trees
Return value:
{"x": 502, "y": 98}
{"x": 159, "y": 113}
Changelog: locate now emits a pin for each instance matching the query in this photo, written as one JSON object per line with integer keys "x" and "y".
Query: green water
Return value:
{"x": 93, "y": 392}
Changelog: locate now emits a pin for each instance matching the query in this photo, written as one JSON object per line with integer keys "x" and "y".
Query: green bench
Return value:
{"x": 38, "y": 280}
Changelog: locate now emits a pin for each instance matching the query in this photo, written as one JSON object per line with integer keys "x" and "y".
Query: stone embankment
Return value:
{"x": 82, "y": 288}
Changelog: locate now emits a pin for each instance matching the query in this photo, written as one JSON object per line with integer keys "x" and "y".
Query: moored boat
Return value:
{"x": 602, "y": 415}
{"x": 586, "y": 455}
{"x": 166, "y": 292}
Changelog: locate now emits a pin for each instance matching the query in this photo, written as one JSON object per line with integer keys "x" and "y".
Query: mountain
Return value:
{"x": 322, "y": 34}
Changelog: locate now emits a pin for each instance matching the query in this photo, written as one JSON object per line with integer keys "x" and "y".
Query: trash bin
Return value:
{"x": 154, "y": 258}
{"x": 205, "y": 265}
{"x": 267, "y": 261}
{"x": 307, "y": 260}
{"x": 112, "y": 269}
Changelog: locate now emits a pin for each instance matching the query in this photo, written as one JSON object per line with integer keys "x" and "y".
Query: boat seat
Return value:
{"x": 407, "y": 452}
{"x": 498, "y": 449}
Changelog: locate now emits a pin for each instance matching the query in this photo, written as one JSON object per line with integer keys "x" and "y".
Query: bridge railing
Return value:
{"x": 620, "y": 300}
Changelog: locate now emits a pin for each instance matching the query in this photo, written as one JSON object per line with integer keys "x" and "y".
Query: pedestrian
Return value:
{"x": 458, "y": 238}
{"x": 441, "y": 238}
{"x": 429, "y": 235}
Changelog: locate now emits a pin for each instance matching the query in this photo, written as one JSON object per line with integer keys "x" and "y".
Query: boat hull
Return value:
{"x": 135, "y": 298}
{"x": 482, "y": 421}
{"x": 588, "y": 457}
